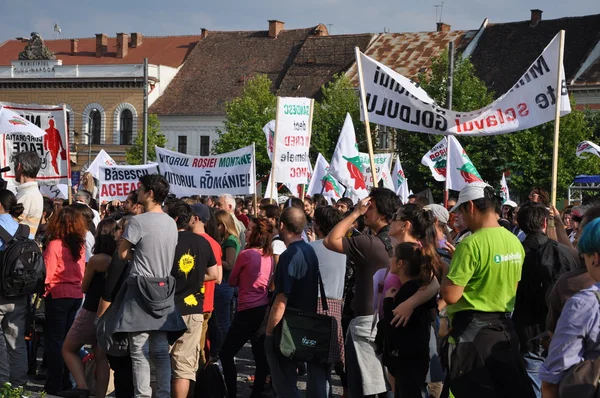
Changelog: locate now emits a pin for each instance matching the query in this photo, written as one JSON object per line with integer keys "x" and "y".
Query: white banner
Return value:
{"x": 292, "y": 141}
{"x": 231, "y": 172}
{"x": 435, "y": 159}
{"x": 52, "y": 148}
{"x": 383, "y": 163}
{"x": 60, "y": 191}
{"x": 400, "y": 181}
{"x": 504, "y": 192}
{"x": 395, "y": 101}
{"x": 116, "y": 182}
{"x": 102, "y": 159}
{"x": 461, "y": 170}
{"x": 323, "y": 182}
{"x": 589, "y": 147}
{"x": 269, "y": 130}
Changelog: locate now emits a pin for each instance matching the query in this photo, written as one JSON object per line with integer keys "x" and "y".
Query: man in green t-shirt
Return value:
{"x": 480, "y": 289}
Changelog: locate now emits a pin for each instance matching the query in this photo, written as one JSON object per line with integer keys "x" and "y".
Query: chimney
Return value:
{"x": 536, "y": 17}
{"x": 321, "y": 30}
{"x": 122, "y": 45}
{"x": 204, "y": 33}
{"x": 136, "y": 40}
{"x": 275, "y": 27}
{"x": 101, "y": 44}
{"x": 74, "y": 45}
{"x": 443, "y": 27}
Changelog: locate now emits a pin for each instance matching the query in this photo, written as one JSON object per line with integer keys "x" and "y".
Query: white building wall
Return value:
{"x": 193, "y": 127}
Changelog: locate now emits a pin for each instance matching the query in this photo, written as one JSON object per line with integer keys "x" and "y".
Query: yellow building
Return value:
{"x": 99, "y": 80}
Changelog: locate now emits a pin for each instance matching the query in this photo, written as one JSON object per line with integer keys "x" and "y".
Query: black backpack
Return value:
{"x": 22, "y": 268}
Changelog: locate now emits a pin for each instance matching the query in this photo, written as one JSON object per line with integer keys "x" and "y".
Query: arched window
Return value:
{"x": 126, "y": 127}
{"x": 96, "y": 126}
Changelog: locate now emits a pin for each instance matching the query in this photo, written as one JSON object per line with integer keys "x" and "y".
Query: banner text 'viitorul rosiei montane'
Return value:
{"x": 231, "y": 172}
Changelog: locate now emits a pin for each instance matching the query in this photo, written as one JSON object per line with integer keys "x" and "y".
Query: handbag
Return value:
{"x": 305, "y": 336}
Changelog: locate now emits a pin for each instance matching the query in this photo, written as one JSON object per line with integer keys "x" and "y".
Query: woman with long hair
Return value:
{"x": 87, "y": 183}
{"x": 83, "y": 330}
{"x": 65, "y": 266}
{"x": 230, "y": 244}
{"x": 250, "y": 274}
{"x": 88, "y": 214}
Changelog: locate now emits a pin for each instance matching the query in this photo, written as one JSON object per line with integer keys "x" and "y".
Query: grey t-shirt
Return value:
{"x": 154, "y": 236}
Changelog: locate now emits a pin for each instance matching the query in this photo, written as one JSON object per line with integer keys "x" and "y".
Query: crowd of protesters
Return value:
{"x": 475, "y": 299}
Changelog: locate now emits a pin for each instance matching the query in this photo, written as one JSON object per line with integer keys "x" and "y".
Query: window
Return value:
{"x": 204, "y": 145}
{"x": 182, "y": 144}
{"x": 126, "y": 127}
{"x": 95, "y": 127}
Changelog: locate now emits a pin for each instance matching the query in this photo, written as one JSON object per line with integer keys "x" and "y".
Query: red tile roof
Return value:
{"x": 168, "y": 50}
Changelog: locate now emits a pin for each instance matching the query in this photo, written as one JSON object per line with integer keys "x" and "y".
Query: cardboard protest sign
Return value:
{"x": 116, "y": 182}
{"x": 52, "y": 148}
{"x": 292, "y": 140}
{"x": 231, "y": 172}
{"x": 395, "y": 101}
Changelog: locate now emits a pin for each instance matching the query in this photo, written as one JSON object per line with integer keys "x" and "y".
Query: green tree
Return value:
{"x": 338, "y": 97}
{"x": 246, "y": 116}
{"x": 135, "y": 154}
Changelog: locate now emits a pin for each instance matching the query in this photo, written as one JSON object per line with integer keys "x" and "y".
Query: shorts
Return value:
{"x": 185, "y": 353}
{"x": 83, "y": 330}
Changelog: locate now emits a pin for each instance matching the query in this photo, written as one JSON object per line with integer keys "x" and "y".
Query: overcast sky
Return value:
{"x": 84, "y": 18}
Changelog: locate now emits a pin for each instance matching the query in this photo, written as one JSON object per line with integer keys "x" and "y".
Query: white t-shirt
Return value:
{"x": 89, "y": 245}
{"x": 278, "y": 246}
{"x": 332, "y": 266}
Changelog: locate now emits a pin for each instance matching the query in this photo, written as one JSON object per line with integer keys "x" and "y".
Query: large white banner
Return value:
{"x": 52, "y": 148}
{"x": 292, "y": 140}
{"x": 231, "y": 172}
{"x": 116, "y": 182}
{"x": 395, "y": 101}
{"x": 383, "y": 165}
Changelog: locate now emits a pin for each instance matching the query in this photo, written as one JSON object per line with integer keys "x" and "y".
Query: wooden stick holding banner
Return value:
{"x": 449, "y": 105}
{"x": 447, "y": 182}
{"x": 310, "y": 119}
{"x": 363, "y": 101}
{"x": 561, "y": 48}
{"x": 254, "y": 169}
{"x": 274, "y": 183}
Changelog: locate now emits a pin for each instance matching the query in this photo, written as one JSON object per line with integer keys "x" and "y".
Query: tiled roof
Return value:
{"x": 168, "y": 50}
{"x": 217, "y": 69}
{"x": 505, "y": 50}
{"x": 319, "y": 59}
{"x": 410, "y": 53}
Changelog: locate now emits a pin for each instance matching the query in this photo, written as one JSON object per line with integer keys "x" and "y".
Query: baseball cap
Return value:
{"x": 201, "y": 211}
{"x": 439, "y": 212}
{"x": 510, "y": 203}
{"x": 473, "y": 191}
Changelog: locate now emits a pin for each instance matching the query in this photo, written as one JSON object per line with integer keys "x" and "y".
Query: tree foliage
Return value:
{"x": 246, "y": 117}
{"x": 135, "y": 154}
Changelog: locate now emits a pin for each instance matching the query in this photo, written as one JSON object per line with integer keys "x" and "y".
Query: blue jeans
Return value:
{"x": 533, "y": 361}
{"x": 144, "y": 347}
{"x": 60, "y": 314}
{"x": 284, "y": 372}
{"x": 222, "y": 313}
{"x": 318, "y": 382}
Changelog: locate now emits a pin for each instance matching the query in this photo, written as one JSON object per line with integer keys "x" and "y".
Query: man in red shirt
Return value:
{"x": 200, "y": 218}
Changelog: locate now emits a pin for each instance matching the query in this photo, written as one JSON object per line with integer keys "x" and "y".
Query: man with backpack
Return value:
{"x": 545, "y": 261}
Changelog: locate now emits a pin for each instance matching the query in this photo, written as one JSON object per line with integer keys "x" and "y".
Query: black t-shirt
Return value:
{"x": 369, "y": 254}
{"x": 115, "y": 276}
{"x": 296, "y": 276}
{"x": 92, "y": 297}
{"x": 411, "y": 341}
{"x": 193, "y": 255}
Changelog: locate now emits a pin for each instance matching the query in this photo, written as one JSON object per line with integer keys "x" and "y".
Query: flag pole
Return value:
{"x": 310, "y": 119}
{"x": 273, "y": 182}
{"x": 254, "y": 169}
{"x": 449, "y": 106}
{"x": 561, "y": 46}
{"x": 363, "y": 101}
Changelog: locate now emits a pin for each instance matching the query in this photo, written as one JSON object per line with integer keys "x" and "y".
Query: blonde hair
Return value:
{"x": 225, "y": 218}
{"x": 87, "y": 182}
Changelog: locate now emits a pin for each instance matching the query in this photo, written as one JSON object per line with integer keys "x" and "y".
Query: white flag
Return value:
{"x": 383, "y": 165}
{"x": 271, "y": 184}
{"x": 400, "y": 182}
{"x": 435, "y": 159}
{"x": 102, "y": 159}
{"x": 346, "y": 166}
{"x": 587, "y": 146}
{"x": 323, "y": 182}
{"x": 269, "y": 130}
{"x": 461, "y": 170}
{"x": 395, "y": 101}
{"x": 504, "y": 189}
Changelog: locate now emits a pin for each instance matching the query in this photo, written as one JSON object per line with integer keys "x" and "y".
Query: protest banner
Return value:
{"x": 60, "y": 191}
{"x": 323, "y": 183}
{"x": 293, "y": 125}
{"x": 395, "y": 101}
{"x": 460, "y": 170}
{"x": 587, "y": 146}
{"x": 231, "y": 172}
{"x": 504, "y": 193}
{"x": 102, "y": 159}
{"x": 346, "y": 166}
{"x": 269, "y": 130}
{"x": 116, "y": 182}
{"x": 436, "y": 160}
{"x": 52, "y": 148}
{"x": 383, "y": 163}
{"x": 400, "y": 181}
